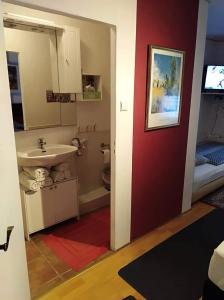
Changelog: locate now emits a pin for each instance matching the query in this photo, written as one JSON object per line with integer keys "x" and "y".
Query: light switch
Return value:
{"x": 123, "y": 105}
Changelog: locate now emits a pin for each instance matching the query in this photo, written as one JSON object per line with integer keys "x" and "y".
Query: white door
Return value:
{"x": 13, "y": 275}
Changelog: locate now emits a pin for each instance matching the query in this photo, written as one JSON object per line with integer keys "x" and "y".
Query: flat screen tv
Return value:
{"x": 213, "y": 79}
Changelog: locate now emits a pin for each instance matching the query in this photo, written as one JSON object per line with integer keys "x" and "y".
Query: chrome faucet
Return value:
{"x": 76, "y": 141}
{"x": 41, "y": 143}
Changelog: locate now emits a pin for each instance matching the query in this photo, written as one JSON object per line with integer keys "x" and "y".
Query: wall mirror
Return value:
{"x": 38, "y": 63}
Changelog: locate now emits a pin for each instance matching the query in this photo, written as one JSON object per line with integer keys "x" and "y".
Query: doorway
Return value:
{"x": 16, "y": 284}
{"x": 48, "y": 262}
{"x": 208, "y": 174}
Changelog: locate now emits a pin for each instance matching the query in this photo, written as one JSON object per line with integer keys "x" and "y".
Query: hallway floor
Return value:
{"x": 46, "y": 269}
{"x": 102, "y": 280}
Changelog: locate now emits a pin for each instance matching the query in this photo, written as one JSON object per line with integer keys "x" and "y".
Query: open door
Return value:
{"x": 13, "y": 273}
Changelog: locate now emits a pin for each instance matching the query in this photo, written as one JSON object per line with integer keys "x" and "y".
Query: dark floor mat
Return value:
{"x": 215, "y": 198}
{"x": 177, "y": 268}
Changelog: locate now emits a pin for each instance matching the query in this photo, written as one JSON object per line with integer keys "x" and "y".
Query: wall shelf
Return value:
{"x": 91, "y": 88}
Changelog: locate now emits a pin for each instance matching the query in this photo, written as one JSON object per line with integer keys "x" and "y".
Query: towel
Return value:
{"x": 39, "y": 174}
{"x": 61, "y": 167}
{"x": 48, "y": 181}
{"x": 57, "y": 176}
{"x": 28, "y": 183}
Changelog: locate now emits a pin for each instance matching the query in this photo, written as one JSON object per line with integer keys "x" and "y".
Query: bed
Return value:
{"x": 209, "y": 169}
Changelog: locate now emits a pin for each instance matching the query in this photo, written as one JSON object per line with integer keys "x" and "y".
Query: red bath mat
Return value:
{"x": 79, "y": 243}
{"x": 76, "y": 255}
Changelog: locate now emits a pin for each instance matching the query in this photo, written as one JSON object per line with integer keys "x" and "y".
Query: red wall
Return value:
{"x": 159, "y": 155}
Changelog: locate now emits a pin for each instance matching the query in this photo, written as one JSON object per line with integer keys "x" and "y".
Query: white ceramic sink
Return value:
{"x": 53, "y": 155}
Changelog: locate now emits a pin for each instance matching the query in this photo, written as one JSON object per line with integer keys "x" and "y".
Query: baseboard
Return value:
{"x": 94, "y": 204}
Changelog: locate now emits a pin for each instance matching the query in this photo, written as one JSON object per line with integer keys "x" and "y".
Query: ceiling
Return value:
{"x": 215, "y": 26}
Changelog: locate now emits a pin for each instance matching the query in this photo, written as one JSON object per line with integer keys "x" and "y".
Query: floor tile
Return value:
{"x": 42, "y": 247}
{"x": 69, "y": 274}
{"x": 31, "y": 251}
{"x": 37, "y": 235}
{"x": 40, "y": 272}
{"x": 46, "y": 269}
{"x": 57, "y": 264}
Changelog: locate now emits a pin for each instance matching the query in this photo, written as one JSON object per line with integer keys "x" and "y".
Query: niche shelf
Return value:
{"x": 91, "y": 88}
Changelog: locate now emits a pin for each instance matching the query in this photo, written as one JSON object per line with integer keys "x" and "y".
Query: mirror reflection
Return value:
{"x": 33, "y": 70}
{"x": 15, "y": 90}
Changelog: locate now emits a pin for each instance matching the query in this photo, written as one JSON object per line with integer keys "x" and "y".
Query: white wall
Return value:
{"x": 206, "y": 117}
{"x": 207, "y": 128}
{"x": 122, "y": 14}
{"x": 210, "y": 103}
{"x": 95, "y": 59}
{"x": 90, "y": 164}
{"x": 214, "y": 52}
{"x": 195, "y": 104}
{"x": 56, "y": 135}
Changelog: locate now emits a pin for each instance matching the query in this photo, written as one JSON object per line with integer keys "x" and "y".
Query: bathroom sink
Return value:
{"x": 53, "y": 155}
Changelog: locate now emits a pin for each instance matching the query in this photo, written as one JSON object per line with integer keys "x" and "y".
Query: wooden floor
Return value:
{"x": 101, "y": 281}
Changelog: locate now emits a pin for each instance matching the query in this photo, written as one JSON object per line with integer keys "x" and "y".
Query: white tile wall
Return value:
{"x": 56, "y": 135}
{"x": 209, "y": 103}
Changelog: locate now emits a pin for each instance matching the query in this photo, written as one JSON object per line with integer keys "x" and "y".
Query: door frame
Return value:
{"x": 123, "y": 23}
{"x": 121, "y": 17}
{"x": 195, "y": 104}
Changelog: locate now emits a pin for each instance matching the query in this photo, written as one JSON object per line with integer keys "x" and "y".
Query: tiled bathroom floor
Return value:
{"x": 45, "y": 269}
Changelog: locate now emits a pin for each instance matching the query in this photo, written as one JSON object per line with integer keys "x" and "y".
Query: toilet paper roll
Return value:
{"x": 106, "y": 156}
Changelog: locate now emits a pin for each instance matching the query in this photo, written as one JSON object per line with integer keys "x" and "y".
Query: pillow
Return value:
{"x": 216, "y": 158}
{"x": 208, "y": 147}
{"x": 200, "y": 160}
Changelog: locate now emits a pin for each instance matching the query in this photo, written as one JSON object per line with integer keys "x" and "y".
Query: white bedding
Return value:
{"x": 206, "y": 173}
{"x": 216, "y": 267}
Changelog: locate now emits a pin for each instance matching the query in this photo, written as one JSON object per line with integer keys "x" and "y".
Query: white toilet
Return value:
{"x": 106, "y": 170}
{"x": 106, "y": 179}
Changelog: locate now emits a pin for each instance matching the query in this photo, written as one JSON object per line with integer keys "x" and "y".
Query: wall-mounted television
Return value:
{"x": 213, "y": 79}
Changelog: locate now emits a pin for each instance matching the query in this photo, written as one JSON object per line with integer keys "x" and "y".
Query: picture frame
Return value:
{"x": 164, "y": 87}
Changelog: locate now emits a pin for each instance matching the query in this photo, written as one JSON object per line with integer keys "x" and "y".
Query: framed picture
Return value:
{"x": 164, "y": 87}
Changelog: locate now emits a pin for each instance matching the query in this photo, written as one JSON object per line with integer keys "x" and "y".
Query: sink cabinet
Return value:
{"x": 49, "y": 206}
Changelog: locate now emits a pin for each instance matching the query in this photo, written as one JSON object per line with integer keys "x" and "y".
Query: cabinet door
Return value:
{"x": 65, "y": 202}
{"x": 39, "y": 207}
{"x": 69, "y": 60}
{"x": 48, "y": 196}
